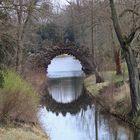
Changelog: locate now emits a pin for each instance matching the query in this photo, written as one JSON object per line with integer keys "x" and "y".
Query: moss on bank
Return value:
{"x": 113, "y": 95}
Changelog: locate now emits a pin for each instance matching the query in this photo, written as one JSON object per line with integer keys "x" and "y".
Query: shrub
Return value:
{"x": 18, "y": 100}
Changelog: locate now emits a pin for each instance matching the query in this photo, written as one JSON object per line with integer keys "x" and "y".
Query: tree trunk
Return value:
{"x": 117, "y": 54}
{"x": 139, "y": 73}
{"x": 99, "y": 78}
{"x": 130, "y": 60}
{"x": 19, "y": 56}
{"x": 118, "y": 61}
{"x": 19, "y": 52}
{"x": 133, "y": 80}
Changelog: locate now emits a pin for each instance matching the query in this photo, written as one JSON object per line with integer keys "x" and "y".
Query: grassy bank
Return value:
{"x": 113, "y": 95}
{"x": 18, "y": 103}
{"x": 24, "y": 132}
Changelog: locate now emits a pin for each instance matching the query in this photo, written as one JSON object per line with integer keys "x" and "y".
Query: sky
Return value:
{"x": 62, "y": 2}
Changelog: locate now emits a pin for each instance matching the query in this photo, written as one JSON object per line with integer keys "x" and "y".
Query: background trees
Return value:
{"x": 26, "y": 25}
{"x": 49, "y": 32}
{"x": 34, "y": 23}
{"x": 18, "y": 19}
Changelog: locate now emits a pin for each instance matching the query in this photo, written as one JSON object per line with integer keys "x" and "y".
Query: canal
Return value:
{"x": 65, "y": 85}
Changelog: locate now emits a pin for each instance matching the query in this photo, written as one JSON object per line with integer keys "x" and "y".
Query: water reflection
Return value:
{"x": 86, "y": 124}
{"x": 72, "y": 107}
{"x": 65, "y": 90}
{"x": 82, "y": 126}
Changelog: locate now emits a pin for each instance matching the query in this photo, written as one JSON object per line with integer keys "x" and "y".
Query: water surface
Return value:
{"x": 65, "y": 85}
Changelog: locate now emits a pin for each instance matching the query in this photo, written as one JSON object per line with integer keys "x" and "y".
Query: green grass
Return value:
{"x": 109, "y": 76}
{"x": 92, "y": 87}
{"x": 112, "y": 77}
{"x": 14, "y": 82}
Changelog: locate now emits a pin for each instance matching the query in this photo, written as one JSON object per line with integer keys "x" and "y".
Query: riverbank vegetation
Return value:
{"x": 18, "y": 101}
{"x": 19, "y": 104}
{"x": 113, "y": 95}
{"x": 22, "y": 132}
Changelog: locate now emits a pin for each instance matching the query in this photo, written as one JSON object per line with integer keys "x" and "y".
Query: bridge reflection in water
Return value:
{"x": 61, "y": 89}
{"x": 61, "y": 119}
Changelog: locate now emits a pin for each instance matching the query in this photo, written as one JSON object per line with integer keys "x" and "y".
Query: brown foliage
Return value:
{"x": 16, "y": 106}
{"x": 37, "y": 79}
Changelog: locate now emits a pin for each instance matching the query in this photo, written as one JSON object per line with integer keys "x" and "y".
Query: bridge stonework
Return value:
{"x": 42, "y": 58}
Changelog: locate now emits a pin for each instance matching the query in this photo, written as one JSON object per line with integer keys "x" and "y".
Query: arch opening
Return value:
{"x": 81, "y": 54}
{"x": 64, "y": 66}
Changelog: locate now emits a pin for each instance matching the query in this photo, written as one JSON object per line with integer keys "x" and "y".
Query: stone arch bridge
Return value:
{"x": 42, "y": 58}
{"x": 37, "y": 63}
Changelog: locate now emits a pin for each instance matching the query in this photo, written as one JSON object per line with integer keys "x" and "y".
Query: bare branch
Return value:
{"x": 132, "y": 35}
{"x": 128, "y": 11}
{"x": 68, "y": 2}
{"x": 116, "y": 24}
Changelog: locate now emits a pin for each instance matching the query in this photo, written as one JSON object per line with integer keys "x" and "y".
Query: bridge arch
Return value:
{"x": 42, "y": 58}
{"x": 37, "y": 63}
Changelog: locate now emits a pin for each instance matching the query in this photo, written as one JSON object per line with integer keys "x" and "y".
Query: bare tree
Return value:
{"x": 23, "y": 12}
{"x": 125, "y": 44}
{"x": 23, "y": 18}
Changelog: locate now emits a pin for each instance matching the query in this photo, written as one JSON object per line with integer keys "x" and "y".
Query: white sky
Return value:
{"x": 62, "y": 2}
